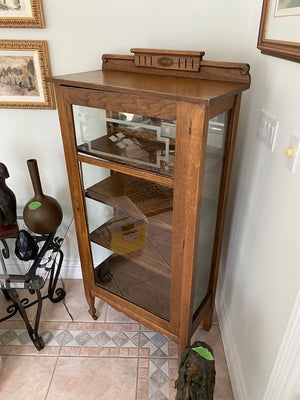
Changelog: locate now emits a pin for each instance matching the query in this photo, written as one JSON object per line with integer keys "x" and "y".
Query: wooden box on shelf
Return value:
{"x": 149, "y": 143}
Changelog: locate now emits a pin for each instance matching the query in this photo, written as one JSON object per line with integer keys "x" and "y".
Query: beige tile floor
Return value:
{"x": 112, "y": 358}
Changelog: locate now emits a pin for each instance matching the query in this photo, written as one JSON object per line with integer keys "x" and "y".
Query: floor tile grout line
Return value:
{"x": 67, "y": 309}
{"x": 64, "y": 300}
{"x": 54, "y": 369}
{"x": 138, "y": 364}
{"x": 94, "y": 356}
{"x": 52, "y": 375}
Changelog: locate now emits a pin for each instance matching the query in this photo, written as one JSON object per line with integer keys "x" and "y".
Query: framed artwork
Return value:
{"x": 279, "y": 33}
{"x": 21, "y": 14}
{"x": 24, "y": 66}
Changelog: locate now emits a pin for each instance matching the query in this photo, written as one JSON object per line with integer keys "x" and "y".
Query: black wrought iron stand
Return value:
{"x": 32, "y": 281}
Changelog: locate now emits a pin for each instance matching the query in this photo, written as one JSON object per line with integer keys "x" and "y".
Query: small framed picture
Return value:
{"x": 21, "y": 14}
{"x": 24, "y": 66}
{"x": 279, "y": 33}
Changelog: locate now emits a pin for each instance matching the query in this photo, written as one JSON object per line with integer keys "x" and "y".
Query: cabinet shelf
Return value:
{"x": 138, "y": 285}
{"x": 141, "y": 243}
{"x": 141, "y": 199}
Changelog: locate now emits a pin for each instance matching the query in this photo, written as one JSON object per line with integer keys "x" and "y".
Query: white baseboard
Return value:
{"x": 284, "y": 382}
{"x": 71, "y": 269}
{"x": 231, "y": 353}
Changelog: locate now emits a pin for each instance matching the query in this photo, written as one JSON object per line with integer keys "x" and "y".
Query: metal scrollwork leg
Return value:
{"x": 19, "y": 305}
{"x": 55, "y": 295}
{"x": 54, "y": 274}
{"x": 6, "y": 294}
{"x": 5, "y": 251}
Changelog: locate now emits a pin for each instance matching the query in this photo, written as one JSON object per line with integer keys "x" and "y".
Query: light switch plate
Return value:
{"x": 294, "y": 146}
{"x": 267, "y": 129}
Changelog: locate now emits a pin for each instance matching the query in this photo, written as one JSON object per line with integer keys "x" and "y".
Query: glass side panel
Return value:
{"x": 209, "y": 205}
{"x": 130, "y": 225}
{"x": 139, "y": 141}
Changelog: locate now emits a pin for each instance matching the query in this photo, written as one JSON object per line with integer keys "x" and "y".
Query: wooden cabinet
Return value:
{"x": 148, "y": 143}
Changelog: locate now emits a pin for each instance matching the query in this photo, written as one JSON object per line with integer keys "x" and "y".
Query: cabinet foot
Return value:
{"x": 94, "y": 316}
{"x": 92, "y": 312}
{"x": 92, "y": 309}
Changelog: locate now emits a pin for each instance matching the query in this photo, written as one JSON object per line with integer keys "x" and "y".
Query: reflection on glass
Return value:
{"x": 209, "y": 205}
{"x": 130, "y": 223}
{"x": 141, "y": 141}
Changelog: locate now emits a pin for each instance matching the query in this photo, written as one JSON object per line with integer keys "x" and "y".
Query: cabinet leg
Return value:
{"x": 207, "y": 321}
{"x": 184, "y": 340}
{"x": 182, "y": 344}
{"x": 91, "y": 303}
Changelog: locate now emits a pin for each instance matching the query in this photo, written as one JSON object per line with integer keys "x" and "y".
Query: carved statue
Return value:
{"x": 8, "y": 204}
{"x": 196, "y": 373}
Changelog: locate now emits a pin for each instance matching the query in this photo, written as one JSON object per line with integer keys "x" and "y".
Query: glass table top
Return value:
{"x": 32, "y": 274}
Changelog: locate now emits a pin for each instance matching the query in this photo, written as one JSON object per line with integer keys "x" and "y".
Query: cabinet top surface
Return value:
{"x": 169, "y": 87}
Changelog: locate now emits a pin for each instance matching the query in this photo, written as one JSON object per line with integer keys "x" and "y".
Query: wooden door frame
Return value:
{"x": 191, "y": 137}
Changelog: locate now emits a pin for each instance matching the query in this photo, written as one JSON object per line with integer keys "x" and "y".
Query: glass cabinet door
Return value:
{"x": 209, "y": 204}
{"x": 138, "y": 141}
{"x": 129, "y": 218}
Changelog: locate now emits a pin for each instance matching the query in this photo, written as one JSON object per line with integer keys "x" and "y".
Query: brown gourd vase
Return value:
{"x": 42, "y": 214}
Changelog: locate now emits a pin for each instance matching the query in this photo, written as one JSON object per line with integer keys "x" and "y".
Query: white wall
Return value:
{"x": 259, "y": 261}
{"x": 259, "y": 272}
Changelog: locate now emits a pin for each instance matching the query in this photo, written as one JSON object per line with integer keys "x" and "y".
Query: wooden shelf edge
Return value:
{"x": 132, "y": 171}
{"x": 135, "y": 312}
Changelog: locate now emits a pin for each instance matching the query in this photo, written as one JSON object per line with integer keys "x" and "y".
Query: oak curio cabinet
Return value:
{"x": 148, "y": 143}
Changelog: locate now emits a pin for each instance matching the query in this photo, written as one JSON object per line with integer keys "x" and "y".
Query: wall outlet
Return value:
{"x": 292, "y": 152}
{"x": 267, "y": 129}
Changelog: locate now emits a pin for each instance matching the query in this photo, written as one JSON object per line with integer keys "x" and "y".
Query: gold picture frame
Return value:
{"x": 279, "y": 33}
{"x": 21, "y": 14}
{"x": 24, "y": 67}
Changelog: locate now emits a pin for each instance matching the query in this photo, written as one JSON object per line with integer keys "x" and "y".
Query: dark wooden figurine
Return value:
{"x": 196, "y": 374}
{"x": 8, "y": 204}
